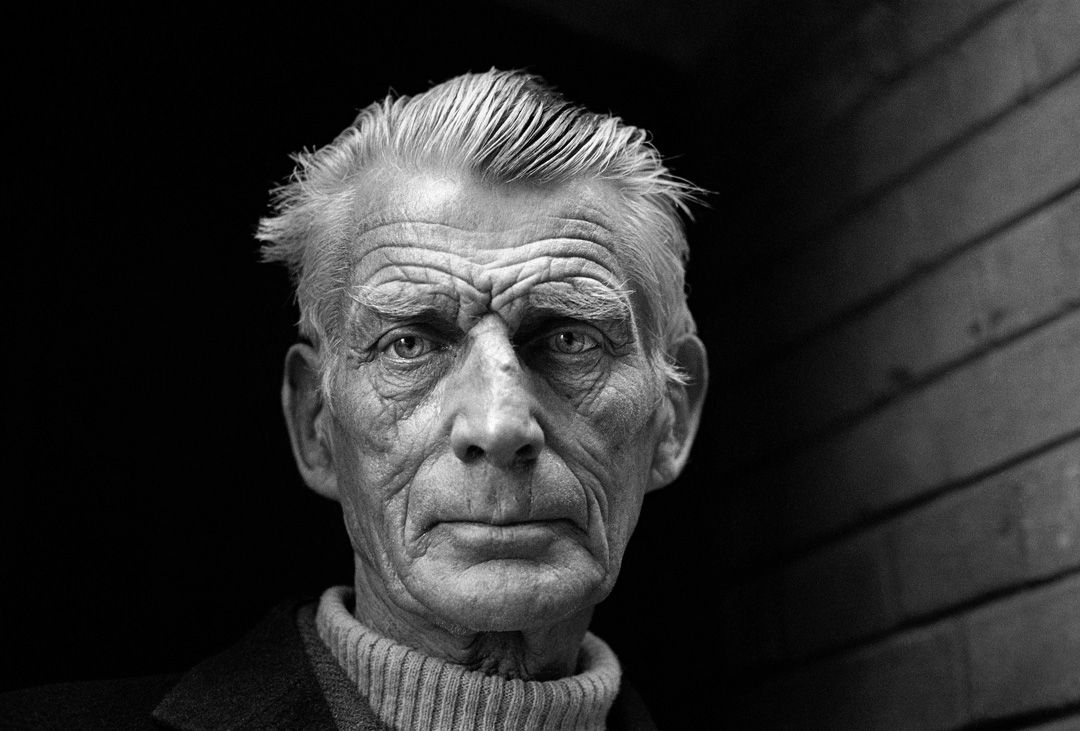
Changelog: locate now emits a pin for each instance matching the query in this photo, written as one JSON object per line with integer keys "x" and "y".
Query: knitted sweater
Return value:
{"x": 409, "y": 690}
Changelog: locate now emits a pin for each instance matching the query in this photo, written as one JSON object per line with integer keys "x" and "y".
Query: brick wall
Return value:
{"x": 902, "y": 533}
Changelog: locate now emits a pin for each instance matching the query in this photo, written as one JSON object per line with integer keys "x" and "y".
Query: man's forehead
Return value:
{"x": 460, "y": 205}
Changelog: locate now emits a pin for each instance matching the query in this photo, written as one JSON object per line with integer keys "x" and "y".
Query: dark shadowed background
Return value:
{"x": 880, "y": 524}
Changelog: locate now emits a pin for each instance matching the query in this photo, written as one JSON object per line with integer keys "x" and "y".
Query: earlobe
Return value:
{"x": 683, "y": 404}
{"x": 305, "y": 416}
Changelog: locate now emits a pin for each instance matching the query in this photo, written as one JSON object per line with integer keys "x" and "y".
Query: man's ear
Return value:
{"x": 683, "y": 404}
{"x": 306, "y": 415}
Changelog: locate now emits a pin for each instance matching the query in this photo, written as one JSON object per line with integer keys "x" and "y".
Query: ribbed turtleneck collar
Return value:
{"x": 410, "y": 690}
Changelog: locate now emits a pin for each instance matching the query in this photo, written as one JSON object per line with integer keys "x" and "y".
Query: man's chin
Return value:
{"x": 509, "y": 594}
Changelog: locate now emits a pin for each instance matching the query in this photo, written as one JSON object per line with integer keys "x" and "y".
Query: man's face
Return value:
{"x": 495, "y": 420}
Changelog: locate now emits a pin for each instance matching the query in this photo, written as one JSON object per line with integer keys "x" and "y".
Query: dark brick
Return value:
{"x": 1025, "y": 651}
{"x": 914, "y": 681}
{"x": 1050, "y": 496}
{"x": 838, "y": 594}
{"x": 958, "y": 547}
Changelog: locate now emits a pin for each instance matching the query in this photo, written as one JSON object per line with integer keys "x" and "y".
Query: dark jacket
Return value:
{"x": 271, "y": 679}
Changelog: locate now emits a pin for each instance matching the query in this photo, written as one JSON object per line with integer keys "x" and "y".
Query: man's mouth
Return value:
{"x": 518, "y": 539}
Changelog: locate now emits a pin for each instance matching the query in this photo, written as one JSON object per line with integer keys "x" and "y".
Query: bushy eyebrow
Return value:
{"x": 393, "y": 303}
{"x": 580, "y": 299}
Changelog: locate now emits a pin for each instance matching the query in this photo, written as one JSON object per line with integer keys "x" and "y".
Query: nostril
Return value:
{"x": 526, "y": 453}
{"x": 473, "y": 452}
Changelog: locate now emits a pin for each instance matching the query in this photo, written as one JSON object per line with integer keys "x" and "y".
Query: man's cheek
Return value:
{"x": 375, "y": 483}
{"x": 383, "y": 385}
{"x": 380, "y": 411}
{"x": 389, "y": 454}
{"x": 620, "y": 408}
{"x": 622, "y": 440}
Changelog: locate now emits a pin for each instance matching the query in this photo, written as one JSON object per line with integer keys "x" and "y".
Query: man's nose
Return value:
{"x": 493, "y": 410}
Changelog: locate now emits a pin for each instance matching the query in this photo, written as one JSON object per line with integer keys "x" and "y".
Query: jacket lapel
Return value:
{"x": 264, "y": 681}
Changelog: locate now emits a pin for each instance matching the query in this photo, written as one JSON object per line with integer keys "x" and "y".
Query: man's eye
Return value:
{"x": 408, "y": 347}
{"x": 571, "y": 342}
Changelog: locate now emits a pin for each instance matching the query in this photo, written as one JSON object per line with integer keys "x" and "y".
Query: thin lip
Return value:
{"x": 522, "y": 540}
{"x": 505, "y": 525}
{"x": 502, "y": 523}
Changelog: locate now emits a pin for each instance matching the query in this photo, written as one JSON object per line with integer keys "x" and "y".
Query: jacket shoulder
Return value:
{"x": 264, "y": 681}
{"x": 101, "y": 704}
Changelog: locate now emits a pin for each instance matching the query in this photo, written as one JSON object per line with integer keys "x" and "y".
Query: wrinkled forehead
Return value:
{"x": 480, "y": 245}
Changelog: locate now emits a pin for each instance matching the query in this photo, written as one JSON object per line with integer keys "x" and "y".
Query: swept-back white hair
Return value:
{"x": 504, "y": 127}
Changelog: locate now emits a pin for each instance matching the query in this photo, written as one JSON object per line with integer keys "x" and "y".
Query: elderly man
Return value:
{"x": 498, "y": 364}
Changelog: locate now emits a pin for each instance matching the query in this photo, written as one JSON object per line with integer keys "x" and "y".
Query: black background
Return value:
{"x": 151, "y": 509}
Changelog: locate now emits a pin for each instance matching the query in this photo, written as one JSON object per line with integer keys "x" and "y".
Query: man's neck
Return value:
{"x": 541, "y": 653}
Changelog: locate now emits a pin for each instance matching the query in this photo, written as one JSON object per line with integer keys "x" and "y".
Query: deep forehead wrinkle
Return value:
{"x": 438, "y": 234}
{"x": 564, "y": 256}
{"x": 548, "y": 276}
